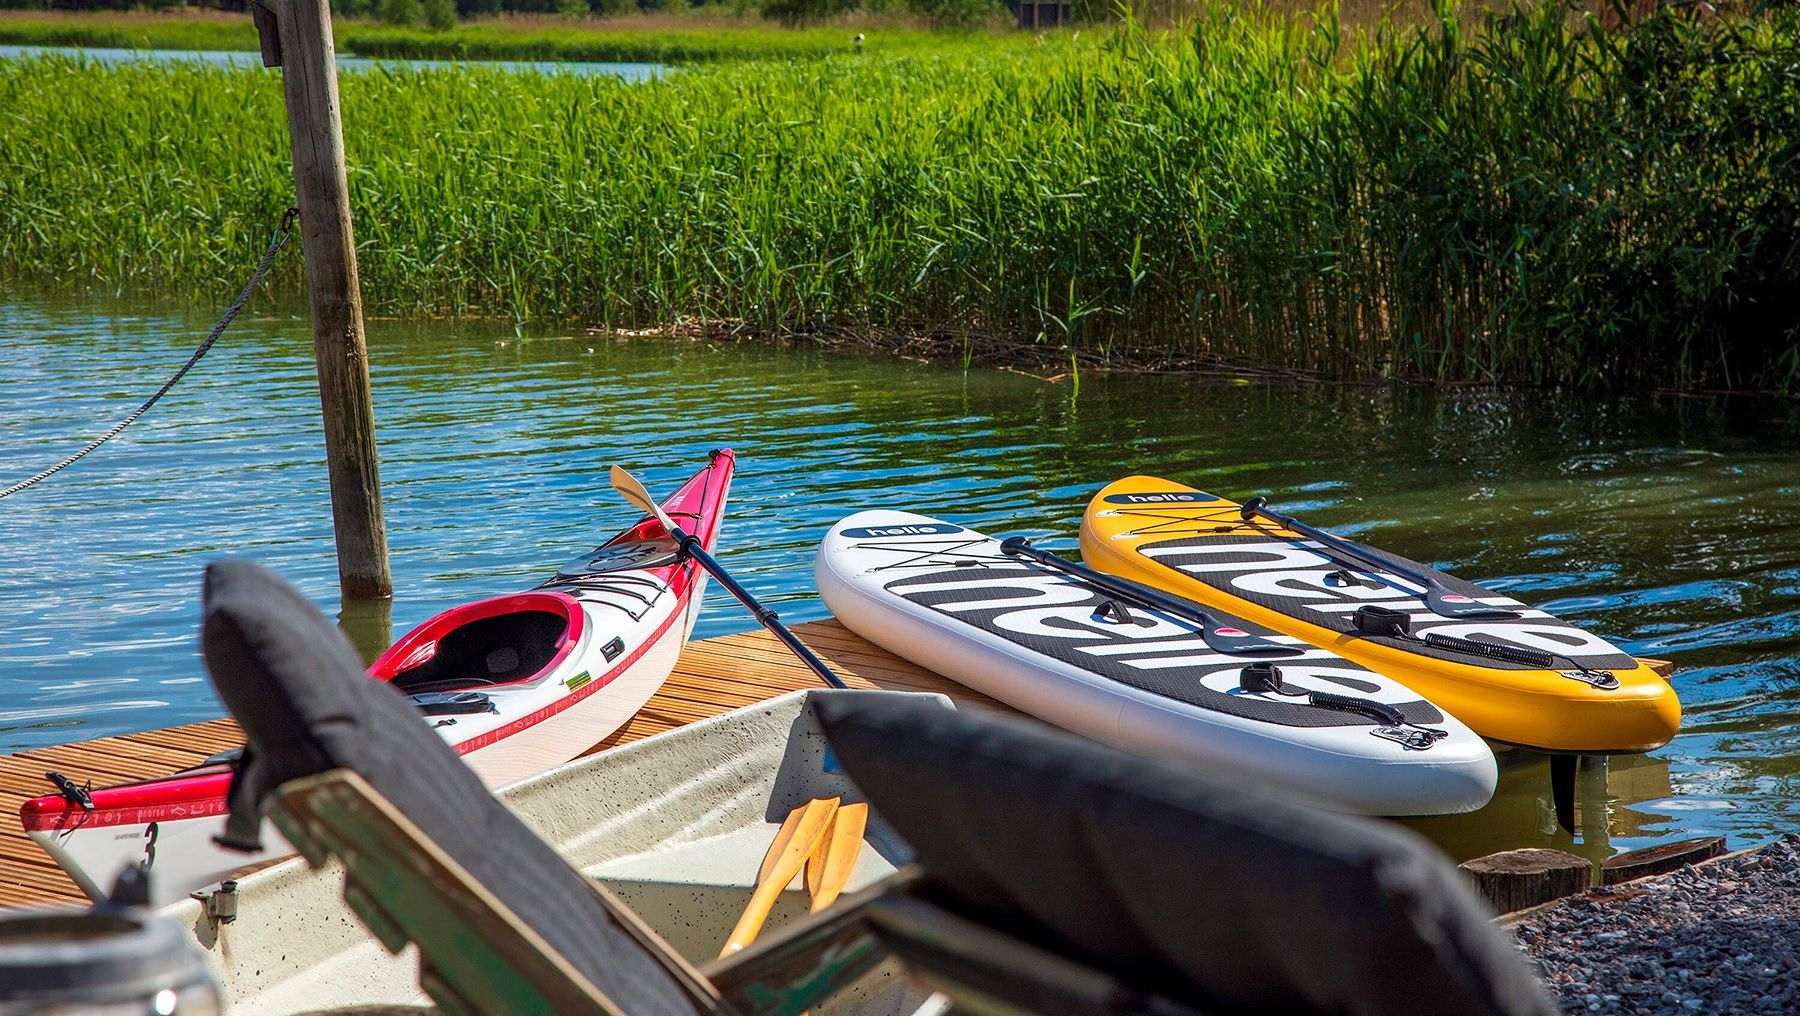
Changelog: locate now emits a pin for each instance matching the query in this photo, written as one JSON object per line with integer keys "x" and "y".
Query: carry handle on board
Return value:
{"x": 1374, "y": 620}
{"x": 1438, "y": 597}
{"x": 1219, "y": 636}
{"x": 1265, "y": 678}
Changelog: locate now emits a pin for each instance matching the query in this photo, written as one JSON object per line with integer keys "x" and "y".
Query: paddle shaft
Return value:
{"x": 691, "y": 546}
{"x": 1436, "y": 593}
{"x": 635, "y": 492}
{"x": 1143, "y": 596}
{"x": 1254, "y": 506}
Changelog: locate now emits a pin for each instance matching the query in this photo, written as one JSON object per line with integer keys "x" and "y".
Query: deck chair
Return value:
{"x": 1054, "y": 875}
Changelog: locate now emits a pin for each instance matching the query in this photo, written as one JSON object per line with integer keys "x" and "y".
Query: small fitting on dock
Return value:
{"x": 220, "y": 901}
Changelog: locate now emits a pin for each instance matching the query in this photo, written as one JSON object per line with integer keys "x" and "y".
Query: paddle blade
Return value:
{"x": 1225, "y": 638}
{"x": 782, "y": 836}
{"x": 1445, "y": 603}
{"x": 788, "y": 856}
{"x": 631, "y": 490}
{"x": 829, "y": 867}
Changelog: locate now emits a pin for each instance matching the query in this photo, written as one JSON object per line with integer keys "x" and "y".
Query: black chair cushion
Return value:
{"x": 1218, "y": 896}
{"x": 307, "y": 705}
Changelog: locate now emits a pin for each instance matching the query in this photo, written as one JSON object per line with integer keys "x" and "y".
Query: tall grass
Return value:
{"x": 1534, "y": 201}
{"x": 116, "y": 30}
{"x": 622, "y": 40}
{"x": 631, "y": 38}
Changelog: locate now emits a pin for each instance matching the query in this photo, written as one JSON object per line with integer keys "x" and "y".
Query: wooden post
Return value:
{"x": 1659, "y": 860}
{"x": 1516, "y": 879}
{"x": 309, "y": 74}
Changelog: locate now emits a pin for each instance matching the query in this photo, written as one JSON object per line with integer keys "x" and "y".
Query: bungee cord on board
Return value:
{"x": 276, "y": 242}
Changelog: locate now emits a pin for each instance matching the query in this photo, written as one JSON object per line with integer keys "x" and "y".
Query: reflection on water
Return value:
{"x": 1617, "y": 798}
{"x": 1670, "y": 524}
{"x": 369, "y": 624}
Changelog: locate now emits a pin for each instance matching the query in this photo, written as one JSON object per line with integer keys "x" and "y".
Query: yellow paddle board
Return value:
{"x": 1524, "y": 678}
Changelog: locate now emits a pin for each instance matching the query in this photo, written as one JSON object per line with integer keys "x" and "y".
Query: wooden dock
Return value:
{"x": 713, "y": 676}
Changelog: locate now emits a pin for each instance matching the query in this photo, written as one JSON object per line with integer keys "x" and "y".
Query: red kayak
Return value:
{"x": 518, "y": 684}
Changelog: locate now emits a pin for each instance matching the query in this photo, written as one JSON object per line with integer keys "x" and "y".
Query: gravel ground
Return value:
{"x": 1720, "y": 938}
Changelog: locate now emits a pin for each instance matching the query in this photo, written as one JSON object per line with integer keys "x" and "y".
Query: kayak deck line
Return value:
{"x": 759, "y": 667}
{"x": 712, "y": 676}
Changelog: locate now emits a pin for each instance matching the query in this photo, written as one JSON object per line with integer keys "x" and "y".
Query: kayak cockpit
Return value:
{"x": 513, "y": 639}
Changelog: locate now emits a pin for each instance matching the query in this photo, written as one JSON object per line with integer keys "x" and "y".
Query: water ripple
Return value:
{"x": 1673, "y": 526}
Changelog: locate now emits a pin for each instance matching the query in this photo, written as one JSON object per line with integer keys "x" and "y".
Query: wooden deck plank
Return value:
{"x": 114, "y": 753}
{"x": 80, "y": 765}
{"x": 711, "y": 677}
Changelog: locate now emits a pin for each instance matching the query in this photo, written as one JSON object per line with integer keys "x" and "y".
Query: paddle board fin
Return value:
{"x": 1562, "y": 790}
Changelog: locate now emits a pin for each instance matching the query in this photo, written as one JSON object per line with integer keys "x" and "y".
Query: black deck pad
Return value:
{"x": 1151, "y": 650}
{"x": 306, "y": 705}
{"x": 1305, "y": 580}
{"x": 1212, "y": 895}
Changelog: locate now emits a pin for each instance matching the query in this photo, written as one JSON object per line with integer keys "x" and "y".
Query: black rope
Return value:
{"x": 276, "y": 242}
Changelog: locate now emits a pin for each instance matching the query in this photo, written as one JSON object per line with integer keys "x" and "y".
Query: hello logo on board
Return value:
{"x": 1301, "y": 580}
{"x": 907, "y": 529}
{"x": 1161, "y": 497}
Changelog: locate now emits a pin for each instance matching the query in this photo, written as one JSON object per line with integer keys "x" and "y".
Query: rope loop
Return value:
{"x": 276, "y": 242}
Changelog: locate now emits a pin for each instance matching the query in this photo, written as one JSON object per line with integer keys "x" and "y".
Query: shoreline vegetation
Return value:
{"x": 635, "y": 38}
{"x": 1529, "y": 196}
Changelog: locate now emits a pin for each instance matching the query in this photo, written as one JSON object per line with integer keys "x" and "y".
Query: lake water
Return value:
{"x": 1670, "y": 524}
{"x": 347, "y": 63}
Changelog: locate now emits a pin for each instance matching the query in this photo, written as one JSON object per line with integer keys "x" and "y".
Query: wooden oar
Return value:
{"x": 782, "y": 836}
{"x": 829, "y": 867}
{"x": 793, "y": 844}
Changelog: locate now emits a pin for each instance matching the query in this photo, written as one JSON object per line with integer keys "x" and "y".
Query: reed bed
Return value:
{"x": 631, "y": 38}
{"x": 120, "y": 30}
{"x": 1531, "y": 200}
{"x": 619, "y": 41}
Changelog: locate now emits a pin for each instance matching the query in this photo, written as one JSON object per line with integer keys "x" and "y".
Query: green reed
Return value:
{"x": 1534, "y": 200}
{"x": 634, "y": 38}
{"x": 116, "y": 31}
{"x": 623, "y": 41}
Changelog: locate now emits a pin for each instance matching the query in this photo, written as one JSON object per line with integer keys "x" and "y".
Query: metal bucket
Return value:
{"x": 104, "y": 962}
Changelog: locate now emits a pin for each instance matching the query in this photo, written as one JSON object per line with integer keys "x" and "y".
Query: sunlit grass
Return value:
{"x": 127, "y": 30}
{"x": 1534, "y": 202}
{"x": 631, "y": 38}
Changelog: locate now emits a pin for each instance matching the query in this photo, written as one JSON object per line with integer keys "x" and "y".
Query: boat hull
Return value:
{"x": 675, "y": 824}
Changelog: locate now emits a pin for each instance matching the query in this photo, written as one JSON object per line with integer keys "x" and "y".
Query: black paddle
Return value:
{"x": 1438, "y": 597}
{"x": 1219, "y": 636}
{"x": 633, "y": 491}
